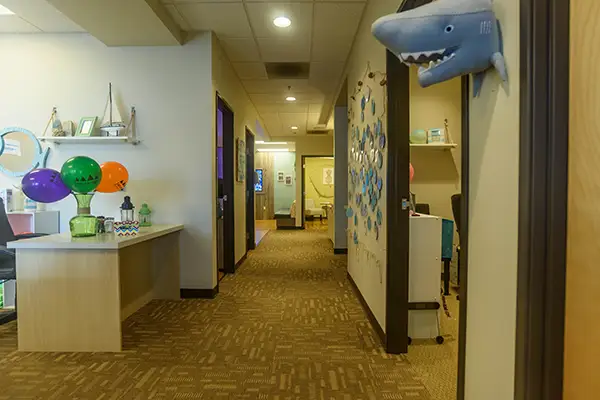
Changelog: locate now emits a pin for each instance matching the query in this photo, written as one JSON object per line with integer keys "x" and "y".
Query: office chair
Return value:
{"x": 8, "y": 267}
{"x": 456, "y": 206}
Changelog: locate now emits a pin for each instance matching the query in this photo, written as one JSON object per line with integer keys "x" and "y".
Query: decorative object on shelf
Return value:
{"x": 20, "y": 152}
{"x": 127, "y": 208}
{"x": 112, "y": 124}
{"x": 68, "y": 128}
{"x": 44, "y": 185}
{"x": 470, "y": 25}
{"x": 57, "y": 129}
{"x": 436, "y": 136}
{"x": 288, "y": 180}
{"x": 86, "y": 126}
{"x": 127, "y": 228}
{"x": 145, "y": 215}
{"x": 109, "y": 225}
{"x": 100, "y": 225}
{"x": 418, "y": 136}
{"x": 240, "y": 160}
{"x": 114, "y": 177}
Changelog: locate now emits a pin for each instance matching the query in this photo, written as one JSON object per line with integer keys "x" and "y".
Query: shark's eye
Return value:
{"x": 449, "y": 28}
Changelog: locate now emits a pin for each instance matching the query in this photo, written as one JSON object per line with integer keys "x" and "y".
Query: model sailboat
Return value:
{"x": 112, "y": 124}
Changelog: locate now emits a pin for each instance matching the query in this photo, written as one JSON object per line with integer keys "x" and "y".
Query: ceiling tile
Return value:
{"x": 283, "y": 108}
{"x": 225, "y": 19}
{"x": 325, "y": 75}
{"x": 301, "y": 98}
{"x": 42, "y": 15}
{"x": 261, "y": 17}
{"x": 312, "y": 120}
{"x": 240, "y": 49}
{"x": 14, "y": 24}
{"x": 177, "y": 17}
{"x": 337, "y": 19}
{"x": 315, "y": 108}
{"x": 331, "y": 48}
{"x": 285, "y": 49}
{"x": 275, "y": 86}
{"x": 252, "y": 70}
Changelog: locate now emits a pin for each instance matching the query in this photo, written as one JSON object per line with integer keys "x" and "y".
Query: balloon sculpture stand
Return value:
{"x": 82, "y": 177}
{"x": 84, "y": 224}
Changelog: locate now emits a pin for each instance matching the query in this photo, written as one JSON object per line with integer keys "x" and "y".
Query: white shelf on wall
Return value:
{"x": 438, "y": 146}
{"x": 88, "y": 139}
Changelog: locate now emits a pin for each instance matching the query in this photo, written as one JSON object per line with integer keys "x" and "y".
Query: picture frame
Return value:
{"x": 240, "y": 160}
{"x": 328, "y": 176}
{"x": 289, "y": 180}
{"x": 436, "y": 136}
{"x": 86, "y": 126}
{"x": 280, "y": 176}
{"x": 258, "y": 182}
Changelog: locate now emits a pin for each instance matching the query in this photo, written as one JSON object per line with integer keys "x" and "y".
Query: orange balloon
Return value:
{"x": 114, "y": 177}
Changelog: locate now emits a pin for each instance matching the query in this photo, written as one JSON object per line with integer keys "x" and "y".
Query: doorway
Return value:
{"x": 250, "y": 181}
{"x": 225, "y": 178}
{"x": 317, "y": 182}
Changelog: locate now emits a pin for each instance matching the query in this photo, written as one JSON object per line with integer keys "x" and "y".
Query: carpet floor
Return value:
{"x": 287, "y": 325}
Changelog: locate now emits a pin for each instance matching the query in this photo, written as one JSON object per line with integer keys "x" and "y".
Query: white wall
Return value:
{"x": 368, "y": 269}
{"x": 172, "y": 169}
{"x": 493, "y": 220}
{"x": 229, "y": 87}
{"x": 341, "y": 177}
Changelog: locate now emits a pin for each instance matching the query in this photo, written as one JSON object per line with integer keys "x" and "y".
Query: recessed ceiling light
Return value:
{"x": 293, "y": 128}
{"x": 290, "y": 98}
{"x": 5, "y": 11}
{"x": 282, "y": 22}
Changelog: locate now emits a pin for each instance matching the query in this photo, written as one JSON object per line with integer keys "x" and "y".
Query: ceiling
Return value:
{"x": 322, "y": 33}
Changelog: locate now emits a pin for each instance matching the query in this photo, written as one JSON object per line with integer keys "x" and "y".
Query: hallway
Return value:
{"x": 286, "y": 326}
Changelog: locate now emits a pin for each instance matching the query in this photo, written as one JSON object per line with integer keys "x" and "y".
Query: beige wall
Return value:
{"x": 582, "y": 324}
{"x": 366, "y": 262}
{"x": 437, "y": 172}
{"x": 493, "y": 220}
{"x": 313, "y": 169}
{"x": 229, "y": 87}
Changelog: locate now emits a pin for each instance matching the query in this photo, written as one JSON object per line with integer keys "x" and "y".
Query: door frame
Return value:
{"x": 250, "y": 217}
{"x": 543, "y": 193}
{"x": 228, "y": 185}
{"x": 303, "y": 186}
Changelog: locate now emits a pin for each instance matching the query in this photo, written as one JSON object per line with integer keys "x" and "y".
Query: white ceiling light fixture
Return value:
{"x": 294, "y": 128}
{"x": 282, "y": 22}
{"x": 5, "y": 11}
{"x": 273, "y": 150}
{"x": 259, "y": 141}
{"x": 290, "y": 98}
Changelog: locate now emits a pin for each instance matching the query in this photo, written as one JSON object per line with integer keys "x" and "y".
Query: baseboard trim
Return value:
{"x": 289, "y": 228}
{"x": 340, "y": 251}
{"x": 199, "y": 293}
{"x": 370, "y": 315}
{"x": 241, "y": 261}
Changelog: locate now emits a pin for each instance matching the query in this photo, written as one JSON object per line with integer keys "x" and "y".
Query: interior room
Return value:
{"x": 318, "y": 184}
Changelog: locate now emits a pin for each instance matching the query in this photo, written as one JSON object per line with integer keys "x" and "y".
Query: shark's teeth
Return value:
{"x": 416, "y": 56}
{"x": 435, "y": 64}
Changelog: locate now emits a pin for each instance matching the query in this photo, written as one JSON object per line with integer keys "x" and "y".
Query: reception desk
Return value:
{"x": 73, "y": 293}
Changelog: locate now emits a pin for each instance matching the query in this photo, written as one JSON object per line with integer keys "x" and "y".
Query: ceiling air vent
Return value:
{"x": 284, "y": 70}
{"x": 320, "y": 129}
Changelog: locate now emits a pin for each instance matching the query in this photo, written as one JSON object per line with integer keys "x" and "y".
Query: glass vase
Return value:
{"x": 83, "y": 224}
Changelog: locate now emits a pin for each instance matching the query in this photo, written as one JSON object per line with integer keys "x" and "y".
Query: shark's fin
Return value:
{"x": 478, "y": 83}
{"x": 500, "y": 65}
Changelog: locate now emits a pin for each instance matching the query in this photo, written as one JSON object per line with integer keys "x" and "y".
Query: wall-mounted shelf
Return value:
{"x": 88, "y": 139}
{"x": 440, "y": 146}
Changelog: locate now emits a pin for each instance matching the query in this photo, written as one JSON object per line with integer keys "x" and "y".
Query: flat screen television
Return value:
{"x": 258, "y": 181}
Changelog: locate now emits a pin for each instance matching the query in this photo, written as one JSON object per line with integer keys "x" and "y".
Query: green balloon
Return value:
{"x": 81, "y": 174}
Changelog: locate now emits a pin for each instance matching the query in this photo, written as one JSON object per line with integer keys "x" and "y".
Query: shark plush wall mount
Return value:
{"x": 448, "y": 38}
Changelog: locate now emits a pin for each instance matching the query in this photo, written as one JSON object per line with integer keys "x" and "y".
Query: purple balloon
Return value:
{"x": 44, "y": 185}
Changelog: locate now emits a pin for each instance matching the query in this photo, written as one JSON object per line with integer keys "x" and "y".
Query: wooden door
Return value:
{"x": 582, "y": 316}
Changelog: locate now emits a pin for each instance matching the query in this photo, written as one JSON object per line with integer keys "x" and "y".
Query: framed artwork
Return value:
{"x": 288, "y": 180}
{"x": 280, "y": 176}
{"x": 86, "y": 126}
{"x": 240, "y": 160}
{"x": 436, "y": 136}
{"x": 258, "y": 182}
{"x": 327, "y": 176}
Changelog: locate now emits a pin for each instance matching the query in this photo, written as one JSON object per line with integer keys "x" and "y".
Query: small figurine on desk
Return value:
{"x": 145, "y": 215}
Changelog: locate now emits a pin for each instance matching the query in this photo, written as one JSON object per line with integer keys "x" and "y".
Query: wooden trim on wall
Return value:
{"x": 543, "y": 183}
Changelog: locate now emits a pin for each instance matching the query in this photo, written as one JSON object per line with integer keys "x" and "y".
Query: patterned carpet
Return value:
{"x": 286, "y": 326}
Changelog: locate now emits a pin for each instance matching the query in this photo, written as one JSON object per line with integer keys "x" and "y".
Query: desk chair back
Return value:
{"x": 6, "y": 232}
{"x": 456, "y": 200}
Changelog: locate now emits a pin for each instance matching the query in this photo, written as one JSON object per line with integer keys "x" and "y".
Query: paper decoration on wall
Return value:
{"x": 327, "y": 176}
{"x": 240, "y": 160}
{"x": 455, "y": 37}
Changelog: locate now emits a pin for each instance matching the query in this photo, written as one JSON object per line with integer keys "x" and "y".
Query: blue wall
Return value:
{"x": 284, "y": 194}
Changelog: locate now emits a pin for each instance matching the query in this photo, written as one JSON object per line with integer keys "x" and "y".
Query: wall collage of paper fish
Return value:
{"x": 366, "y": 159}
{"x": 447, "y": 38}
